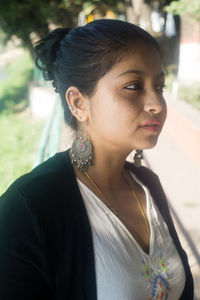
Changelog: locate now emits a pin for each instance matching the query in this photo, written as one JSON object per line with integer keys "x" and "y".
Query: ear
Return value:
{"x": 77, "y": 104}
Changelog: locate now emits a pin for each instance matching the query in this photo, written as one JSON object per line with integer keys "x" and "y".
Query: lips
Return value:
{"x": 151, "y": 125}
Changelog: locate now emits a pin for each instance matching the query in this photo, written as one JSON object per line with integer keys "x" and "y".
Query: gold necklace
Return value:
{"x": 109, "y": 204}
{"x": 100, "y": 192}
{"x": 140, "y": 206}
{"x": 142, "y": 211}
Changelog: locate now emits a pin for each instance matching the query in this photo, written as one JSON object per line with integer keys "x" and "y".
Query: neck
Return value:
{"x": 107, "y": 169}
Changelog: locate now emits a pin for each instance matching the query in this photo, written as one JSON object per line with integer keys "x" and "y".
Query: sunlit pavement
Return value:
{"x": 178, "y": 167}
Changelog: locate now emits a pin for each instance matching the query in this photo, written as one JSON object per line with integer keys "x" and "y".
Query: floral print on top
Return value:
{"x": 158, "y": 279}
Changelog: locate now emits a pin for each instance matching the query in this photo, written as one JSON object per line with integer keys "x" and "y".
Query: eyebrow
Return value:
{"x": 138, "y": 72}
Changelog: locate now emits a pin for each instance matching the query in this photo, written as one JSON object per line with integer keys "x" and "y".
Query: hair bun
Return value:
{"x": 46, "y": 49}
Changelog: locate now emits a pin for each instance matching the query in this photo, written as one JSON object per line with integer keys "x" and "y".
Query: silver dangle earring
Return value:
{"x": 81, "y": 151}
{"x": 138, "y": 157}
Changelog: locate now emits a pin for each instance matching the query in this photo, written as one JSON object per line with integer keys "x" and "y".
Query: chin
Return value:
{"x": 151, "y": 143}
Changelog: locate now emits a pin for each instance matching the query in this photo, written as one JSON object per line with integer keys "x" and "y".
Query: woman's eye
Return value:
{"x": 160, "y": 88}
{"x": 133, "y": 86}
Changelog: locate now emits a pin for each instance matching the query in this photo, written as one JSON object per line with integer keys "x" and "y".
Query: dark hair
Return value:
{"x": 81, "y": 56}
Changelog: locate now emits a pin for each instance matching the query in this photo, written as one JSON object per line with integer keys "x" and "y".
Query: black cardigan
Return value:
{"x": 46, "y": 249}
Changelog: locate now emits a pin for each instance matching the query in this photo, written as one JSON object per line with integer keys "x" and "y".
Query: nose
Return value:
{"x": 154, "y": 103}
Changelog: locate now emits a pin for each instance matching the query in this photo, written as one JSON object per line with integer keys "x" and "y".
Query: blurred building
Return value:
{"x": 189, "y": 66}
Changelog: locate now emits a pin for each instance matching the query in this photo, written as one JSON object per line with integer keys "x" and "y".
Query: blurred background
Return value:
{"x": 31, "y": 118}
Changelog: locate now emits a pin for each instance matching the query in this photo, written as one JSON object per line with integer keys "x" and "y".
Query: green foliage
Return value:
{"x": 14, "y": 88}
{"x": 18, "y": 146}
{"x": 19, "y": 135}
{"x": 190, "y": 93}
{"x": 182, "y": 7}
{"x": 23, "y": 18}
{"x": 111, "y": 3}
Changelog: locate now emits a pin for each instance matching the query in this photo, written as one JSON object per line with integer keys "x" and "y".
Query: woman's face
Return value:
{"x": 127, "y": 110}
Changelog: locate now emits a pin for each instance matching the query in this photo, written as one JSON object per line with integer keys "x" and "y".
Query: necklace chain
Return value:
{"x": 100, "y": 192}
{"x": 142, "y": 211}
{"x": 109, "y": 204}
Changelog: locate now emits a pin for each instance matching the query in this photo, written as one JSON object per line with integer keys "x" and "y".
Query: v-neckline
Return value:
{"x": 119, "y": 221}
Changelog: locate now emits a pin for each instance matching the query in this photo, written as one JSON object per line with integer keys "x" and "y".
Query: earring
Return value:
{"x": 81, "y": 151}
{"x": 74, "y": 110}
{"x": 138, "y": 157}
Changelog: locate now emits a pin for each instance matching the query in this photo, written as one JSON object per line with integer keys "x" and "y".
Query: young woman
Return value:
{"x": 86, "y": 224}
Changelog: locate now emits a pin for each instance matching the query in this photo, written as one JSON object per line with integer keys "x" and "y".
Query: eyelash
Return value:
{"x": 159, "y": 88}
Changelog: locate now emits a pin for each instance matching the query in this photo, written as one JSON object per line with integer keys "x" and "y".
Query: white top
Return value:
{"x": 123, "y": 270}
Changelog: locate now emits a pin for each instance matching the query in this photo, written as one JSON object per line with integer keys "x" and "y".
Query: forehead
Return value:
{"x": 142, "y": 57}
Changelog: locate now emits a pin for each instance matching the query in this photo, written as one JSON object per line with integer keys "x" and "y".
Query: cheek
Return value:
{"x": 112, "y": 114}
{"x": 99, "y": 115}
{"x": 129, "y": 111}
{"x": 113, "y": 108}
